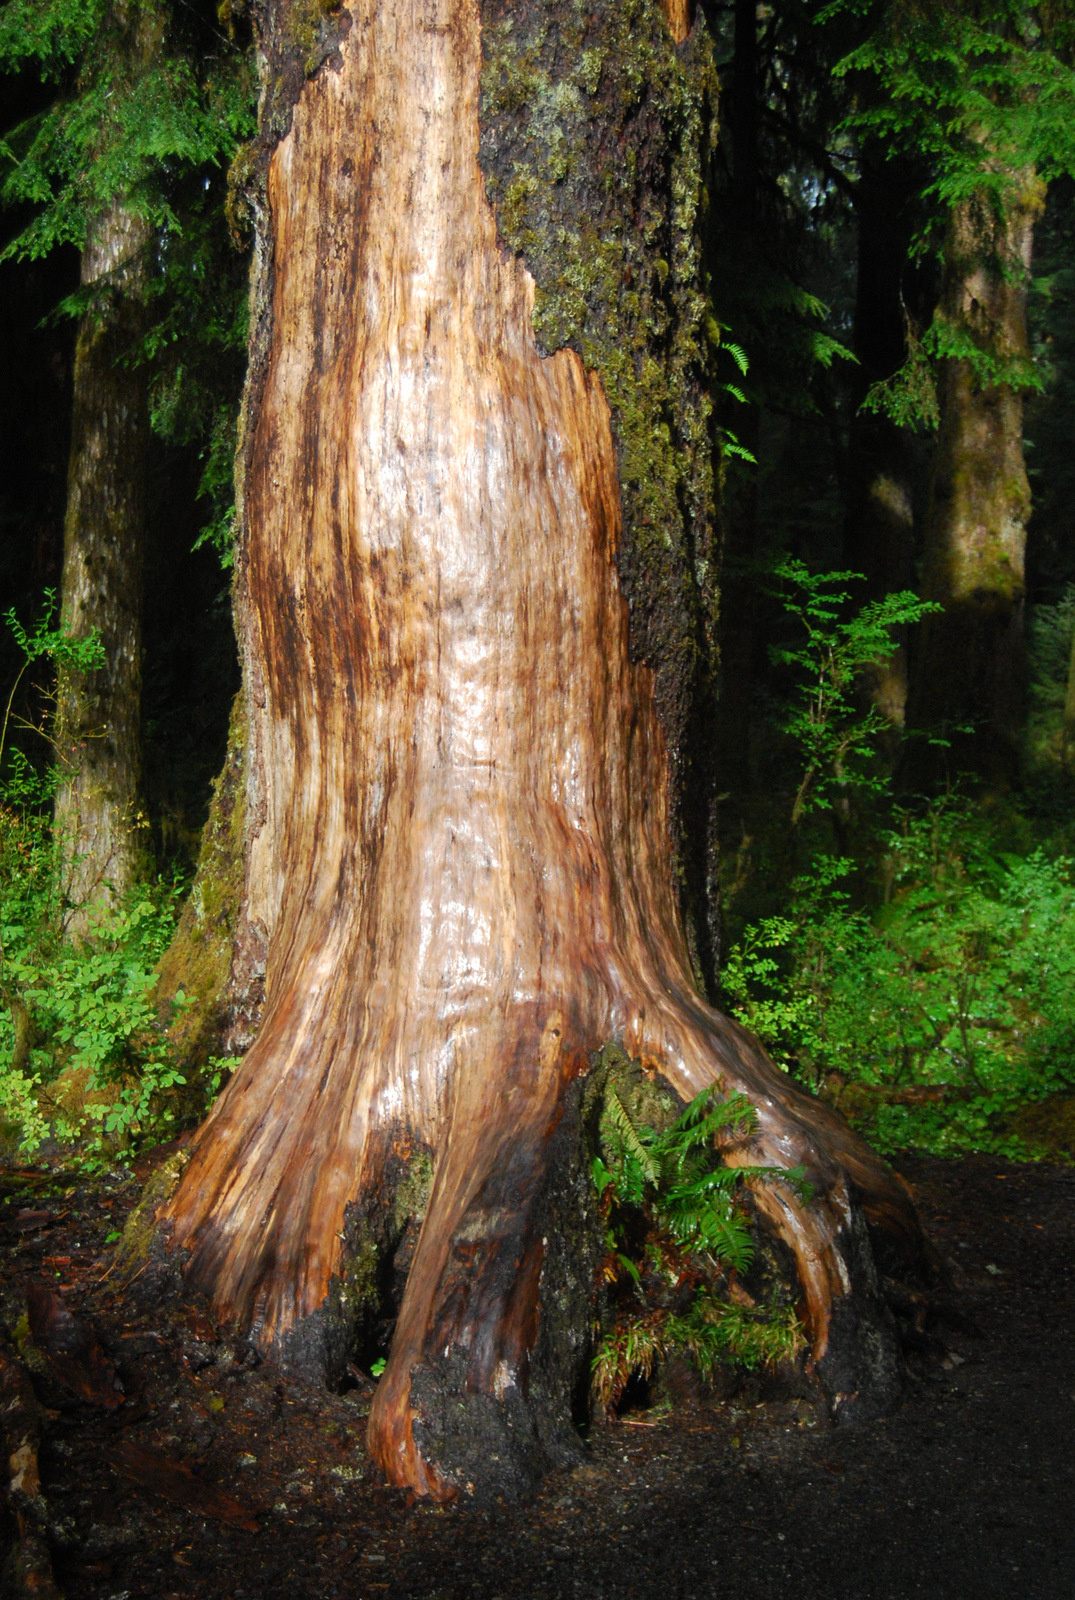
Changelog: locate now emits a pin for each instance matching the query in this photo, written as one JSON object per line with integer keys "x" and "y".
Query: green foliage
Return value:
{"x": 981, "y": 90}
{"x": 982, "y": 97}
{"x": 143, "y": 111}
{"x": 925, "y": 982}
{"x": 933, "y": 1017}
{"x": 836, "y": 739}
{"x": 152, "y": 101}
{"x": 674, "y": 1178}
{"x": 674, "y": 1174}
{"x": 85, "y": 1010}
{"x": 22, "y": 785}
{"x": 711, "y": 1333}
{"x": 909, "y": 397}
{"x": 92, "y": 1013}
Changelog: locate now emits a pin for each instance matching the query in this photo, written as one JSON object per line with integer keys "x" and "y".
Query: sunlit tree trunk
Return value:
{"x": 98, "y": 723}
{"x": 476, "y": 483}
{"x": 970, "y": 666}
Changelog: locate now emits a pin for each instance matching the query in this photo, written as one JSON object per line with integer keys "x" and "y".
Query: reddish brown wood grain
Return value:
{"x": 460, "y": 850}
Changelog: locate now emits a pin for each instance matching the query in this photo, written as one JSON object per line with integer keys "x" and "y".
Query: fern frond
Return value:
{"x": 620, "y": 1119}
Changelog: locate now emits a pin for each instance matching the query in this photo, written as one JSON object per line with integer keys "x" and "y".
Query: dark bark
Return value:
{"x": 475, "y": 473}
{"x": 879, "y": 534}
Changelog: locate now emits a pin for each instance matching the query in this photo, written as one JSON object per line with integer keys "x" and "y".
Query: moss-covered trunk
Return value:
{"x": 475, "y": 597}
{"x": 98, "y": 724}
{"x": 970, "y": 665}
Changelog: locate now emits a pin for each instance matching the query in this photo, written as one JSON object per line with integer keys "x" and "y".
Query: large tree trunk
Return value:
{"x": 970, "y": 667}
{"x": 98, "y": 723}
{"x": 461, "y": 816}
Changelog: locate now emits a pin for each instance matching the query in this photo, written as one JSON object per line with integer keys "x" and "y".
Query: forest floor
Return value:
{"x": 211, "y": 1479}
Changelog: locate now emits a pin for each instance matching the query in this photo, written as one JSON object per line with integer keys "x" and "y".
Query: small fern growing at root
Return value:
{"x": 711, "y": 1333}
{"x": 669, "y": 1185}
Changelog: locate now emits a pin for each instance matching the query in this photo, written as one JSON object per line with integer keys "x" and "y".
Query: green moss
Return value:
{"x": 363, "y": 1297}
{"x": 596, "y": 134}
{"x": 309, "y": 26}
{"x": 198, "y": 960}
{"x": 136, "y": 1241}
{"x": 649, "y": 1102}
{"x": 413, "y": 1191}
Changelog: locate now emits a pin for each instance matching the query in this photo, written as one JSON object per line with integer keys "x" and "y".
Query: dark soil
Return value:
{"x": 215, "y": 1478}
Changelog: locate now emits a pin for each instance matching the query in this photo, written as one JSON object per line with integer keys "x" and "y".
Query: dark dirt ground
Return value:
{"x": 214, "y": 1478}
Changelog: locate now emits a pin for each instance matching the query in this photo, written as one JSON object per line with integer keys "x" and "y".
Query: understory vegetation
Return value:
{"x": 920, "y": 972}
{"x": 85, "y": 1058}
{"x": 679, "y": 1241}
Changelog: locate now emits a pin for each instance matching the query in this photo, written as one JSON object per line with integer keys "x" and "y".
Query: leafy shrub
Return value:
{"x": 85, "y": 1011}
{"x": 933, "y": 1017}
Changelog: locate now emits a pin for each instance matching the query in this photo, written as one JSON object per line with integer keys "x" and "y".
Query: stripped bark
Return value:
{"x": 460, "y": 814}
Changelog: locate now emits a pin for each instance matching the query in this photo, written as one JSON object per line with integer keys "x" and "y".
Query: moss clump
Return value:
{"x": 649, "y": 1102}
{"x": 314, "y": 30}
{"x": 140, "y": 1233}
{"x": 198, "y": 960}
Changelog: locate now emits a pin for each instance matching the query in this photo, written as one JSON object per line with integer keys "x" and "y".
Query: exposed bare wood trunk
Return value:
{"x": 459, "y": 809}
{"x": 970, "y": 666}
{"x": 98, "y": 724}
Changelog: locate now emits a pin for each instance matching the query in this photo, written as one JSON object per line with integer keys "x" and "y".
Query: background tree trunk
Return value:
{"x": 879, "y": 533}
{"x": 475, "y": 583}
{"x": 736, "y": 709}
{"x": 98, "y": 723}
{"x": 970, "y": 666}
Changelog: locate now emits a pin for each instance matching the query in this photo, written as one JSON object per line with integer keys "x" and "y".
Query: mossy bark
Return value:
{"x": 968, "y": 682}
{"x": 98, "y": 721}
{"x": 213, "y": 959}
{"x": 597, "y": 129}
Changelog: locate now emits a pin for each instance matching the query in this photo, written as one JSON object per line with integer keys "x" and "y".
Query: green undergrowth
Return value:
{"x": 679, "y": 1237}
{"x": 910, "y": 960}
{"x": 86, "y": 1058}
{"x": 936, "y": 1014}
